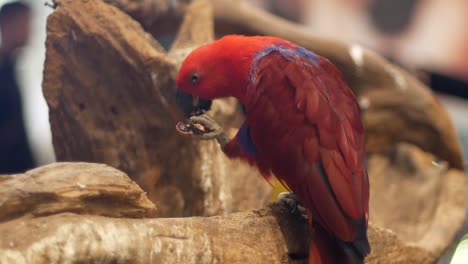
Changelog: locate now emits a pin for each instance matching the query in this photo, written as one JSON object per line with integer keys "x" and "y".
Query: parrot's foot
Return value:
{"x": 292, "y": 201}
{"x": 205, "y": 128}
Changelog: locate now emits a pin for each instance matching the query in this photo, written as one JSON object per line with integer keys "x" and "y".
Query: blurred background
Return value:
{"x": 27, "y": 64}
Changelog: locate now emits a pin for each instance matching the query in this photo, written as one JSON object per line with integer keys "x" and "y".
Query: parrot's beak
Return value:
{"x": 191, "y": 105}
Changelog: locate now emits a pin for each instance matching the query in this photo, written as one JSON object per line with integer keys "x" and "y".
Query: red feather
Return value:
{"x": 303, "y": 124}
{"x": 306, "y": 123}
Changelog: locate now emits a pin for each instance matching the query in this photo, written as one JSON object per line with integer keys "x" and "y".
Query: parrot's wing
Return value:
{"x": 329, "y": 172}
{"x": 327, "y": 102}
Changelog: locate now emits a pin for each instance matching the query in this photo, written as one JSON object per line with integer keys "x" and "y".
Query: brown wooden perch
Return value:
{"x": 85, "y": 213}
{"x": 110, "y": 89}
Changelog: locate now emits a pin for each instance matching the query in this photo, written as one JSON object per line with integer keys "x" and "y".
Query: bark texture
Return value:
{"x": 414, "y": 195}
{"x": 82, "y": 188}
{"x": 111, "y": 93}
{"x": 83, "y": 212}
{"x": 69, "y": 238}
{"x": 89, "y": 217}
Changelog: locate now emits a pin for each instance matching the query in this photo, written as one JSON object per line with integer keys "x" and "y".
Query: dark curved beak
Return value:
{"x": 191, "y": 105}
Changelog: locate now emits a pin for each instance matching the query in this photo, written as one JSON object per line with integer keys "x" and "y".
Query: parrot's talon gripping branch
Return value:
{"x": 204, "y": 128}
{"x": 291, "y": 201}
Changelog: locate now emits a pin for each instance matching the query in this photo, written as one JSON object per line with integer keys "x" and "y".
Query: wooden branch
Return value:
{"x": 196, "y": 30}
{"x": 32, "y": 222}
{"x": 392, "y": 99}
{"x": 413, "y": 195}
{"x": 159, "y": 17}
{"x": 269, "y": 235}
{"x": 232, "y": 239}
{"x": 111, "y": 94}
{"x": 256, "y": 237}
{"x": 82, "y": 188}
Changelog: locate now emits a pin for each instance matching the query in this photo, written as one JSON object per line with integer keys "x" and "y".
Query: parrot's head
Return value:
{"x": 199, "y": 81}
{"x": 207, "y": 73}
{"x": 218, "y": 69}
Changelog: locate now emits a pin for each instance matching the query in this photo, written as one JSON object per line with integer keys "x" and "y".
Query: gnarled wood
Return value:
{"x": 110, "y": 89}
{"x": 94, "y": 191}
{"x": 35, "y": 230}
{"x": 83, "y": 188}
{"x": 256, "y": 237}
{"x": 414, "y": 195}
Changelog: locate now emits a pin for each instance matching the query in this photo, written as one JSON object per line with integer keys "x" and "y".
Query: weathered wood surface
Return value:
{"x": 410, "y": 202}
{"x": 414, "y": 196}
{"x": 111, "y": 91}
{"x": 257, "y": 237}
{"x": 82, "y": 212}
{"x": 82, "y": 188}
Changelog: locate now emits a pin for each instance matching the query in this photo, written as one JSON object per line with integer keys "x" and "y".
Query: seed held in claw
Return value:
{"x": 184, "y": 128}
{"x": 190, "y": 129}
{"x": 199, "y": 127}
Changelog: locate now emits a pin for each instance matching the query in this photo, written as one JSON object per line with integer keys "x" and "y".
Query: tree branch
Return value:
{"x": 82, "y": 188}
{"x": 269, "y": 235}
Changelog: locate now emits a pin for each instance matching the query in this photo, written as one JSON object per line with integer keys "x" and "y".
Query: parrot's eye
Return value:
{"x": 195, "y": 78}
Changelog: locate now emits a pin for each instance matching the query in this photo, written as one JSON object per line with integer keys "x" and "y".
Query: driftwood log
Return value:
{"x": 414, "y": 196}
{"x": 81, "y": 188}
{"x": 86, "y": 213}
{"x": 110, "y": 89}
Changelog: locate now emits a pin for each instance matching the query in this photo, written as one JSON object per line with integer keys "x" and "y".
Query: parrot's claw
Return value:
{"x": 292, "y": 201}
{"x": 204, "y": 127}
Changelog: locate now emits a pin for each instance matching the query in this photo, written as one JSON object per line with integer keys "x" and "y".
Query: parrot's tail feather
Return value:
{"x": 325, "y": 249}
{"x": 360, "y": 246}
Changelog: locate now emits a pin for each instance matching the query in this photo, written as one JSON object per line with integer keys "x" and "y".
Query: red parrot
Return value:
{"x": 302, "y": 124}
